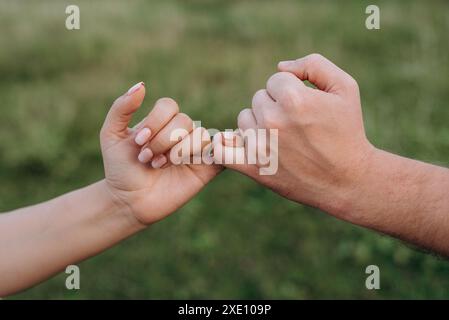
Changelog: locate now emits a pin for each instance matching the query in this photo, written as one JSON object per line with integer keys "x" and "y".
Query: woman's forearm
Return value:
{"x": 38, "y": 241}
{"x": 405, "y": 198}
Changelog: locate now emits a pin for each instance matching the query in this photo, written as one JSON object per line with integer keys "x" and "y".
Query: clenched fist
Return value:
{"x": 139, "y": 174}
{"x": 322, "y": 148}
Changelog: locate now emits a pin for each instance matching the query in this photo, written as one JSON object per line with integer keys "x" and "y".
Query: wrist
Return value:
{"x": 119, "y": 205}
{"x": 358, "y": 178}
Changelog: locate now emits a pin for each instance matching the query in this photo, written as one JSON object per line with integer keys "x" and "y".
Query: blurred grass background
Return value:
{"x": 235, "y": 239}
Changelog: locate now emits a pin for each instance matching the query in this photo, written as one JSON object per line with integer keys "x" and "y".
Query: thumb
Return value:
{"x": 321, "y": 72}
{"x": 122, "y": 109}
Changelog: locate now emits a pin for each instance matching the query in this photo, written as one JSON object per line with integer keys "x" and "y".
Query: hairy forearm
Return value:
{"x": 38, "y": 241}
{"x": 405, "y": 198}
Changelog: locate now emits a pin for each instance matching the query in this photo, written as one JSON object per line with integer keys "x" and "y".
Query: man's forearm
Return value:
{"x": 405, "y": 198}
{"x": 38, "y": 241}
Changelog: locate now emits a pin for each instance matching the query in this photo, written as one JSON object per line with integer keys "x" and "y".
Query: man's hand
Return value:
{"x": 326, "y": 161}
{"x": 150, "y": 192}
{"x": 322, "y": 145}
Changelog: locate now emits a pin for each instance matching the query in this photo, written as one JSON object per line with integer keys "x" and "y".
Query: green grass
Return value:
{"x": 235, "y": 239}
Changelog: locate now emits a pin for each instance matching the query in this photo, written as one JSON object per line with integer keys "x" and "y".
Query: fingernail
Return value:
{"x": 286, "y": 63}
{"x": 143, "y": 136}
{"x": 135, "y": 88}
{"x": 145, "y": 155}
{"x": 159, "y": 161}
{"x": 228, "y": 135}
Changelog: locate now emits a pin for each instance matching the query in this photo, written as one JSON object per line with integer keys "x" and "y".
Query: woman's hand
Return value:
{"x": 40, "y": 240}
{"x": 138, "y": 171}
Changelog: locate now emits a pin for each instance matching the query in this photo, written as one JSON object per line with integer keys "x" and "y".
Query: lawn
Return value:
{"x": 235, "y": 239}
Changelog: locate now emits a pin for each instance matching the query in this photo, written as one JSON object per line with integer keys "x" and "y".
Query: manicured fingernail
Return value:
{"x": 228, "y": 135}
{"x": 159, "y": 161}
{"x": 143, "y": 136}
{"x": 145, "y": 155}
{"x": 135, "y": 88}
{"x": 286, "y": 63}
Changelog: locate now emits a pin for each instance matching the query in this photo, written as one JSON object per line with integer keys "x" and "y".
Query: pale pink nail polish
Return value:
{"x": 228, "y": 135}
{"x": 159, "y": 161}
{"x": 145, "y": 155}
{"x": 135, "y": 88}
{"x": 143, "y": 136}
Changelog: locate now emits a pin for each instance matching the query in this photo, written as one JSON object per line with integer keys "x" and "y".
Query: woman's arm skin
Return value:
{"x": 326, "y": 161}
{"x": 38, "y": 241}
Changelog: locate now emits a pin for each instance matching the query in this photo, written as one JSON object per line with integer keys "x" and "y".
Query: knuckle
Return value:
{"x": 168, "y": 104}
{"x": 352, "y": 83}
{"x": 273, "y": 118}
{"x": 315, "y": 58}
{"x": 244, "y": 118}
{"x": 205, "y": 134}
{"x": 257, "y": 96}
{"x": 279, "y": 76}
{"x": 290, "y": 97}
{"x": 184, "y": 120}
{"x": 273, "y": 122}
{"x": 243, "y": 113}
{"x": 273, "y": 78}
